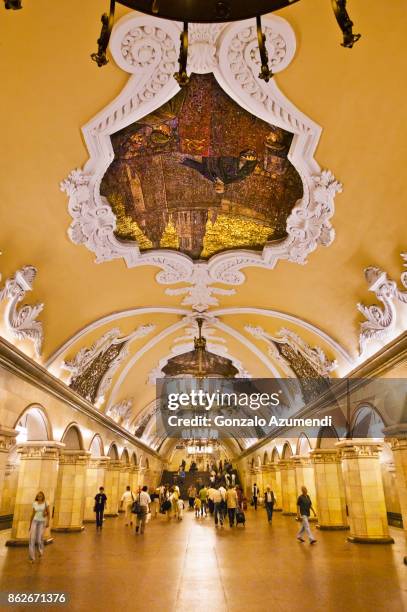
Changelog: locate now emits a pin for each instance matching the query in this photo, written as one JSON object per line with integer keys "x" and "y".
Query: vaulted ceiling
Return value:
{"x": 51, "y": 89}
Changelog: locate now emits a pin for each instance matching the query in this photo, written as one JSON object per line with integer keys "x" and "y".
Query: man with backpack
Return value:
{"x": 142, "y": 503}
{"x": 127, "y": 502}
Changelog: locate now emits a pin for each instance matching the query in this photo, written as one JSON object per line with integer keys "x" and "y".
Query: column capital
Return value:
{"x": 97, "y": 462}
{"x": 325, "y": 455}
{"x": 300, "y": 460}
{"x": 284, "y": 464}
{"x": 74, "y": 457}
{"x": 396, "y": 435}
{"x": 7, "y": 438}
{"x": 40, "y": 449}
{"x": 362, "y": 449}
{"x": 114, "y": 465}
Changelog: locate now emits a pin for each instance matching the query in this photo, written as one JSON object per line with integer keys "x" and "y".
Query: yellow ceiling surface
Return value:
{"x": 50, "y": 88}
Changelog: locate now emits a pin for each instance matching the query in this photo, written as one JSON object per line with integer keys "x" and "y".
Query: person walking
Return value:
{"x": 144, "y": 501}
{"x": 203, "y": 496}
{"x": 192, "y": 492}
{"x": 218, "y": 501}
{"x": 99, "y": 508}
{"x": 38, "y": 522}
{"x": 269, "y": 501}
{"x": 255, "y": 495}
{"x": 126, "y": 502}
{"x": 197, "y": 506}
{"x": 304, "y": 506}
{"x": 232, "y": 504}
{"x": 180, "y": 504}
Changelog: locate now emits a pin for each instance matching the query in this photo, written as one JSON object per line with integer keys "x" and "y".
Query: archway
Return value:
{"x": 72, "y": 438}
{"x": 275, "y": 457}
{"x": 287, "y": 451}
{"x": 125, "y": 457}
{"x": 33, "y": 425}
{"x": 327, "y": 437}
{"x": 96, "y": 446}
{"x": 303, "y": 445}
{"x": 367, "y": 423}
{"x": 113, "y": 452}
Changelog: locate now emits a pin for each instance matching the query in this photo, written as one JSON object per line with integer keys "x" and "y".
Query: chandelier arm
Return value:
{"x": 345, "y": 23}
{"x": 266, "y": 74}
{"x": 181, "y": 76}
{"x": 103, "y": 40}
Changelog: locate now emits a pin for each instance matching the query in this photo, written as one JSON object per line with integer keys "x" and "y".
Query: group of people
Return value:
{"x": 217, "y": 501}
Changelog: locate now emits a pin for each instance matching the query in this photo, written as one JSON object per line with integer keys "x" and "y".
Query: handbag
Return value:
{"x": 136, "y": 507}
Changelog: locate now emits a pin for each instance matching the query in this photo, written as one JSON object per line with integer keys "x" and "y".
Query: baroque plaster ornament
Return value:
{"x": 315, "y": 356}
{"x": 381, "y": 321}
{"x": 92, "y": 369}
{"x": 21, "y": 321}
{"x": 121, "y": 412}
{"x": 147, "y": 48}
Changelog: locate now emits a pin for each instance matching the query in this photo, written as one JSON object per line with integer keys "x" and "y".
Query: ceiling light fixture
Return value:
{"x": 207, "y": 11}
{"x": 200, "y": 363}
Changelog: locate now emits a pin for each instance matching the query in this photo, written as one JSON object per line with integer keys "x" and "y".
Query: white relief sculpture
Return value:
{"x": 314, "y": 355}
{"x": 86, "y": 357}
{"x": 121, "y": 413}
{"x": 202, "y": 294}
{"x": 148, "y": 49}
{"x": 381, "y": 320}
{"x": 21, "y": 321}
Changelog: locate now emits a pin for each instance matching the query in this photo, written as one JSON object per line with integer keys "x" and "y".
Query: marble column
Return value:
{"x": 364, "y": 491}
{"x": 38, "y": 472}
{"x": 288, "y": 487}
{"x": 275, "y": 478}
{"x": 397, "y": 436}
{"x": 134, "y": 472}
{"x": 70, "y": 491}
{"x": 95, "y": 478}
{"x": 124, "y": 479}
{"x": 112, "y": 478}
{"x": 141, "y": 476}
{"x": 304, "y": 475}
{"x": 7, "y": 441}
{"x": 330, "y": 489}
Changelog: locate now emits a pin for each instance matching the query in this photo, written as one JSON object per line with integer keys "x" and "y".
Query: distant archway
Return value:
{"x": 113, "y": 452}
{"x": 275, "y": 456}
{"x": 327, "y": 437}
{"x": 287, "y": 451}
{"x": 125, "y": 457}
{"x": 72, "y": 438}
{"x": 133, "y": 459}
{"x": 33, "y": 424}
{"x": 303, "y": 445}
{"x": 96, "y": 446}
{"x": 265, "y": 458}
{"x": 367, "y": 423}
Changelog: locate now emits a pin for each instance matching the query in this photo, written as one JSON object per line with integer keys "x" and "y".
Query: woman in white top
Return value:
{"x": 38, "y": 521}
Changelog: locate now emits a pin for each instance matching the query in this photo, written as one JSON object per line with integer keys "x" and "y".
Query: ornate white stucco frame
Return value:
{"x": 147, "y": 48}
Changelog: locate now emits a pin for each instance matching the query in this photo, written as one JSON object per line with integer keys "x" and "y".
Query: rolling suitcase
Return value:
{"x": 240, "y": 517}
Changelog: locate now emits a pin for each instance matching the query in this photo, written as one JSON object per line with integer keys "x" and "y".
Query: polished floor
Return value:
{"x": 191, "y": 566}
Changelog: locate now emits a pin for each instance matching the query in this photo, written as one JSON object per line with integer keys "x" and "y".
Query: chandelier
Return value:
{"x": 207, "y": 11}
{"x": 200, "y": 363}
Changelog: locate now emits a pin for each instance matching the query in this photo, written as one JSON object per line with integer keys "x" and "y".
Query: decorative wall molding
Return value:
{"x": 315, "y": 356}
{"x": 92, "y": 369}
{"x": 121, "y": 412}
{"x": 148, "y": 48}
{"x": 21, "y": 321}
{"x": 381, "y": 321}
